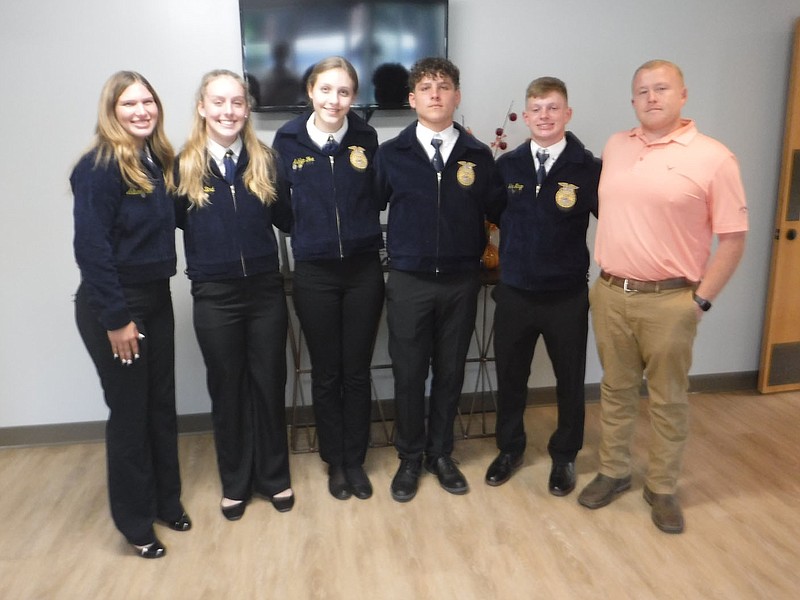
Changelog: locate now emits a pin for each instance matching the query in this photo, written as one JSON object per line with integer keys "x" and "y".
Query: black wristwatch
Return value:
{"x": 701, "y": 302}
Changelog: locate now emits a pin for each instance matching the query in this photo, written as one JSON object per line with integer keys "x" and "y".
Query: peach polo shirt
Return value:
{"x": 661, "y": 203}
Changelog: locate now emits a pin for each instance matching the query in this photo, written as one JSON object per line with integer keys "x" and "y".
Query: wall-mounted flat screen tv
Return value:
{"x": 283, "y": 39}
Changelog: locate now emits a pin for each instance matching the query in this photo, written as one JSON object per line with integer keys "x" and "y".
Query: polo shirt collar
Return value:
{"x": 683, "y": 135}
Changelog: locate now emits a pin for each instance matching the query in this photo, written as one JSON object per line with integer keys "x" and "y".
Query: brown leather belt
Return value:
{"x": 634, "y": 285}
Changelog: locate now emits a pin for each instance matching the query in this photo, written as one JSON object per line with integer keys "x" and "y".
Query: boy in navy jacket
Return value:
{"x": 543, "y": 289}
{"x": 440, "y": 183}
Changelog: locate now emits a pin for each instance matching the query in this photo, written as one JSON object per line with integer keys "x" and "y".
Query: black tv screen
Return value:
{"x": 283, "y": 39}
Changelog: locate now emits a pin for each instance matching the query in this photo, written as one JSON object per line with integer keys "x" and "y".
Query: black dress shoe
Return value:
{"x": 406, "y": 480}
{"x": 152, "y": 550}
{"x": 182, "y": 523}
{"x": 359, "y": 482}
{"x": 284, "y": 503}
{"x": 234, "y": 512}
{"x": 503, "y": 467}
{"x": 562, "y": 478}
{"x": 337, "y": 483}
{"x": 450, "y": 478}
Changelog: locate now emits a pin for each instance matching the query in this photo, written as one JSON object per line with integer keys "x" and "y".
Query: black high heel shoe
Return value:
{"x": 152, "y": 550}
{"x": 235, "y": 511}
{"x": 284, "y": 503}
{"x": 182, "y": 523}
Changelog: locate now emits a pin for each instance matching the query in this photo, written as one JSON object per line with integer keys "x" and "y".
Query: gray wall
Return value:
{"x": 56, "y": 56}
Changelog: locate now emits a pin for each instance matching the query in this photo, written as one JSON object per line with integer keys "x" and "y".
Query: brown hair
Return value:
{"x": 332, "y": 62}
{"x": 112, "y": 141}
{"x": 433, "y": 67}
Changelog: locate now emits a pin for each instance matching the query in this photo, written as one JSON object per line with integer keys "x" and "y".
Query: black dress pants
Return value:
{"x": 141, "y": 431}
{"x": 520, "y": 318}
{"x": 339, "y": 304}
{"x": 431, "y": 321}
{"x": 241, "y": 329}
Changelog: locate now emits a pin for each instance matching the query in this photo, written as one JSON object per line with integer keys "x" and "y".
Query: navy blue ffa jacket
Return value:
{"x": 231, "y": 236}
{"x": 335, "y": 214}
{"x": 436, "y": 225}
{"x": 123, "y": 236}
{"x": 543, "y": 237}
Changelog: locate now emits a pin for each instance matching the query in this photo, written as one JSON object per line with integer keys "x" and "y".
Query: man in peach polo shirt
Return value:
{"x": 665, "y": 191}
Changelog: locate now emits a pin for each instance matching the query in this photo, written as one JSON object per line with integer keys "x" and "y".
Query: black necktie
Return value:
{"x": 150, "y": 164}
{"x": 230, "y": 167}
{"x": 542, "y": 155}
{"x": 331, "y": 146}
{"x": 438, "y": 161}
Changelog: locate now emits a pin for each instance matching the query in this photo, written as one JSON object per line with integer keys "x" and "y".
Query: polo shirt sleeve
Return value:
{"x": 727, "y": 203}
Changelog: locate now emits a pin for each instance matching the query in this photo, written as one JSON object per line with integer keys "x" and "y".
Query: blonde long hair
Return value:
{"x": 194, "y": 168}
{"x": 113, "y": 142}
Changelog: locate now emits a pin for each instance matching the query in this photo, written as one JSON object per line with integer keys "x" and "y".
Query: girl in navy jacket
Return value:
{"x": 125, "y": 249}
{"x": 229, "y": 199}
{"x": 327, "y": 156}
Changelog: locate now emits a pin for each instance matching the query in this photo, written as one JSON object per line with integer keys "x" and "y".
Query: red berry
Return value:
{"x": 512, "y": 116}
{"x": 503, "y": 145}
{"x": 499, "y": 131}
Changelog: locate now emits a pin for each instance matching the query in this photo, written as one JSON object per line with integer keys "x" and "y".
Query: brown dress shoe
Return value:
{"x": 602, "y": 490}
{"x": 666, "y": 512}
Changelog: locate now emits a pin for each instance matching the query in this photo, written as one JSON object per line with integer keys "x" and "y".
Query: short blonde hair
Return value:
{"x": 544, "y": 85}
{"x": 657, "y": 64}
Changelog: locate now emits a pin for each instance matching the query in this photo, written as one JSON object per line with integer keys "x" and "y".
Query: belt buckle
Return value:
{"x": 625, "y": 286}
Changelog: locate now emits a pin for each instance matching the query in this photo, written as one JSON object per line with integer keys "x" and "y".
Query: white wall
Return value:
{"x": 56, "y": 56}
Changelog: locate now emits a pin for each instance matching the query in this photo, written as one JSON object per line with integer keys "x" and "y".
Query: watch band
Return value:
{"x": 701, "y": 302}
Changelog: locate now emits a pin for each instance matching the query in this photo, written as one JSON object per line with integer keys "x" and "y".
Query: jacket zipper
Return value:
{"x": 336, "y": 211}
{"x": 438, "y": 215}
{"x": 236, "y": 210}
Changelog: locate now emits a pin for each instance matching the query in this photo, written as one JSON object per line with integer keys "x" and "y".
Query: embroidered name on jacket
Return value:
{"x": 299, "y": 163}
{"x": 515, "y": 188}
{"x": 135, "y": 192}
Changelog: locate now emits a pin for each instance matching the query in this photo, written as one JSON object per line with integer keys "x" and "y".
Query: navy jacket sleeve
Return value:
{"x": 98, "y": 193}
{"x": 282, "y": 207}
{"x": 496, "y": 200}
{"x": 381, "y": 189}
{"x": 181, "y": 202}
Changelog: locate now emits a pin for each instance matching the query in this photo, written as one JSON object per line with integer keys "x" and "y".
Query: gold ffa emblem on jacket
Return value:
{"x": 301, "y": 161}
{"x": 566, "y": 196}
{"x": 358, "y": 158}
{"x": 466, "y": 173}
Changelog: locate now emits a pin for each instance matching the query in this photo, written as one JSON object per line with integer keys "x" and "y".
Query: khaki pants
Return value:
{"x": 648, "y": 334}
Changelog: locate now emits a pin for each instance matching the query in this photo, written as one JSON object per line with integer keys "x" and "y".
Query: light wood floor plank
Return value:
{"x": 740, "y": 492}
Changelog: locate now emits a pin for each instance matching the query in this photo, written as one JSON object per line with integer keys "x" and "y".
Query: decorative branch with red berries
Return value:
{"x": 499, "y": 144}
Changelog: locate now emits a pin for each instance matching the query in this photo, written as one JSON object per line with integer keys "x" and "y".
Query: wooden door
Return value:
{"x": 780, "y": 346}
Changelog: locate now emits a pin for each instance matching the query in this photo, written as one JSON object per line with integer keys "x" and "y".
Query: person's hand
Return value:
{"x": 125, "y": 343}
{"x": 698, "y": 311}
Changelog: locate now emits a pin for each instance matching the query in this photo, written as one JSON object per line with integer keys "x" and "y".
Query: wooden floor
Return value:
{"x": 740, "y": 492}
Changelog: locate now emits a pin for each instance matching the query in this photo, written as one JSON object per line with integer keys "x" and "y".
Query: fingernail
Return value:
{"x": 141, "y": 336}
{"x": 116, "y": 356}
{"x": 135, "y": 356}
